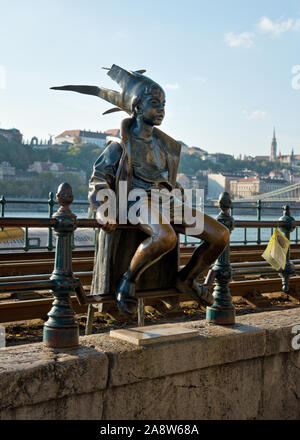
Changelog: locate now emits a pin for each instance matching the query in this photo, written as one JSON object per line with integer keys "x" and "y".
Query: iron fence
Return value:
{"x": 61, "y": 330}
{"x": 34, "y": 242}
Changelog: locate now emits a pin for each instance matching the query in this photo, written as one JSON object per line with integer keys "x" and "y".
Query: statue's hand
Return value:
{"x": 109, "y": 227}
{"x": 94, "y": 204}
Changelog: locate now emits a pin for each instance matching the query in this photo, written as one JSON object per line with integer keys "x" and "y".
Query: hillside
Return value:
{"x": 82, "y": 157}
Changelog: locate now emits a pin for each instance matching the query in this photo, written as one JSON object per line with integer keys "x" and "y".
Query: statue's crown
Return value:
{"x": 133, "y": 85}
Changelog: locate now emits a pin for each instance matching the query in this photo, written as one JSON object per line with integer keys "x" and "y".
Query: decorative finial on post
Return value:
{"x": 258, "y": 208}
{"x": 64, "y": 197}
{"x": 289, "y": 268}
{"x": 225, "y": 202}
{"x": 223, "y": 310}
{"x": 286, "y": 211}
{"x": 61, "y": 330}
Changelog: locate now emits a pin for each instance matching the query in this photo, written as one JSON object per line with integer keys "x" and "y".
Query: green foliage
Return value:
{"x": 82, "y": 157}
{"x": 14, "y": 153}
{"x": 191, "y": 163}
{"x": 40, "y": 185}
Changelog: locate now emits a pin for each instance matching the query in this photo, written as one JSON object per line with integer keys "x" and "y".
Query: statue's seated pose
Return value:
{"x": 147, "y": 159}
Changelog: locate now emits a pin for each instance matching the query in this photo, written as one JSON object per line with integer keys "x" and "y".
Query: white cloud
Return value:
{"x": 264, "y": 26}
{"x": 245, "y": 39}
{"x": 267, "y": 26}
{"x": 172, "y": 86}
{"x": 256, "y": 114}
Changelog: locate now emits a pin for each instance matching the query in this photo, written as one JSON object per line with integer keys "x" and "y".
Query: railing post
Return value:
{"x": 289, "y": 268}
{"x": 223, "y": 310}
{"x": 141, "y": 315}
{"x": 3, "y": 203}
{"x": 26, "y": 240}
{"x": 61, "y": 330}
{"x": 258, "y": 207}
{"x": 51, "y": 203}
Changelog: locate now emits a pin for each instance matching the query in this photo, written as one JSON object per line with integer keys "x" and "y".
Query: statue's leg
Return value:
{"x": 162, "y": 239}
{"x": 215, "y": 238}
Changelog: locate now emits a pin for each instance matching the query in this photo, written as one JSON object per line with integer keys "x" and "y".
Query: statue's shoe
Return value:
{"x": 196, "y": 291}
{"x": 170, "y": 302}
{"x": 125, "y": 297}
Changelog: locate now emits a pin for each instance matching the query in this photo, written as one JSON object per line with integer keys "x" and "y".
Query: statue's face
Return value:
{"x": 152, "y": 107}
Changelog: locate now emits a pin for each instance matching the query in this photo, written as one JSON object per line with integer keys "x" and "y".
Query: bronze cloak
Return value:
{"x": 115, "y": 250}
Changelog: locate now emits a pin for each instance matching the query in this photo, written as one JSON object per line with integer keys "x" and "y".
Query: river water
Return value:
{"x": 86, "y": 237}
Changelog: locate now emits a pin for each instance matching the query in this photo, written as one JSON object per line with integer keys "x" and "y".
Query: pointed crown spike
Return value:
{"x": 133, "y": 85}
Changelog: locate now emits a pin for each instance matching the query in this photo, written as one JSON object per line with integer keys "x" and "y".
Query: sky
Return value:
{"x": 230, "y": 68}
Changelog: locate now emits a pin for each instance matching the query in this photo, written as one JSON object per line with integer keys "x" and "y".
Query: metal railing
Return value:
{"x": 34, "y": 242}
{"x": 61, "y": 329}
{"x": 259, "y": 207}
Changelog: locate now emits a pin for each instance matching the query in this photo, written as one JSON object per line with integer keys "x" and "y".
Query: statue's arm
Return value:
{"x": 180, "y": 187}
{"x": 104, "y": 172}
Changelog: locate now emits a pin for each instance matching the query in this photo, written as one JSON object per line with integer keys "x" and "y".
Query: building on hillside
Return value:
{"x": 222, "y": 157}
{"x": 183, "y": 180}
{"x": 211, "y": 157}
{"x": 293, "y": 160}
{"x": 39, "y": 144}
{"x": 261, "y": 158}
{"x": 57, "y": 169}
{"x": 289, "y": 159}
{"x": 191, "y": 150}
{"x": 52, "y": 167}
{"x": 296, "y": 159}
{"x": 12, "y": 134}
{"x": 195, "y": 150}
{"x": 247, "y": 187}
{"x": 216, "y": 157}
{"x": 113, "y": 132}
{"x": 86, "y": 137}
{"x": 201, "y": 181}
{"x": 287, "y": 175}
{"x": 267, "y": 184}
{"x": 295, "y": 177}
{"x": 218, "y": 183}
{"x": 6, "y": 170}
{"x": 244, "y": 188}
{"x": 275, "y": 174}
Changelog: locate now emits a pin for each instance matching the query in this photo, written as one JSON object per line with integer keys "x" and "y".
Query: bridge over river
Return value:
{"x": 287, "y": 194}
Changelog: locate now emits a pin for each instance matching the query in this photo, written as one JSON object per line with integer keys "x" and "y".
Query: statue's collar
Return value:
{"x": 169, "y": 143}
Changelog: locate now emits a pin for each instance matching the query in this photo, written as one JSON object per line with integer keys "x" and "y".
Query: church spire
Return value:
{"x": 273, "y": 155}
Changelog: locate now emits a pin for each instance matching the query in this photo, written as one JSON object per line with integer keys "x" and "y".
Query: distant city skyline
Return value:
{"x": 230, "y": 69}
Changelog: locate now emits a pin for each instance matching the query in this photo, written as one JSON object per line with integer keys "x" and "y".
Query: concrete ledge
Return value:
{"x": 245, "y": 371}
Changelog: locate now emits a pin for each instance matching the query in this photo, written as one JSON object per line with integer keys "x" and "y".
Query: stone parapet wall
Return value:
{"x": 246, "y": 371}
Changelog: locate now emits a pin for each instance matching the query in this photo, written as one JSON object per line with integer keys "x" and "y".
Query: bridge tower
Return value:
{"x": 273, "y": 154}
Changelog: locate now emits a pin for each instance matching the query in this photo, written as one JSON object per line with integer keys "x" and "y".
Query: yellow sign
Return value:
{"x": 10, "y": 234}
{"x": 275, "y": 252}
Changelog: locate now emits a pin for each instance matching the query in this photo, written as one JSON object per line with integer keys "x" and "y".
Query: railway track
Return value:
{"x": 19, "y": 271}
{"x": 249, "y": 289}
{"x": 43, "y": 262}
